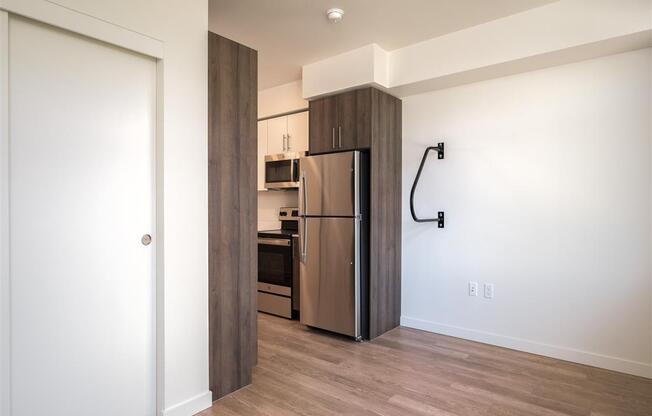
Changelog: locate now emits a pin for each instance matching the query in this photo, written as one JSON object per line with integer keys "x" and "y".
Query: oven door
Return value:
{"x": 282, "y": 171}
{"x": 275, "y": 261}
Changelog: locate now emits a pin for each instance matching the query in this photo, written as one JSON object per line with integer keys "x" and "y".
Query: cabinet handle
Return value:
{"x": 284, "y": 148}
{"x": 288, "y": 143}
{"x": 333, "y": 138}
{"x": 339, "y": 129}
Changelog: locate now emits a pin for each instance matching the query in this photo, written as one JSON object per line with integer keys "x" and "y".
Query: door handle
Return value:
{"x": 333, "y": 146}
{"x": 304, "y": 193}
{"x": 304, "y": 245}
{"x": 339, "y": 129}
{"x": 146, "y": 239}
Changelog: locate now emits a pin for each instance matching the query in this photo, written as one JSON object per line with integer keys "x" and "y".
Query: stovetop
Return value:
{"x": 288, "y": 216}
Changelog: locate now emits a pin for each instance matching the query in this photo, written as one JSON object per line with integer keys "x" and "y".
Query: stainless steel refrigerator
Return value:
{"x": 333, "y": 239}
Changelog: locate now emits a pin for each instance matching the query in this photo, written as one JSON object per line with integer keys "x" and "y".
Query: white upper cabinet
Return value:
{"x": 297, "y": 133}
{"x": 287, "y": 133}
{"x": 262, "y": 151}
{"x": 277, "y": 130}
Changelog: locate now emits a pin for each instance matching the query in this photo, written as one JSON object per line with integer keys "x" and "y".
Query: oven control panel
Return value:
{"x": 288, "y": 214}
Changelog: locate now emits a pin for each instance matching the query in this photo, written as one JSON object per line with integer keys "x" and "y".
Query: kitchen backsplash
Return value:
{"x": 268, "y": 204}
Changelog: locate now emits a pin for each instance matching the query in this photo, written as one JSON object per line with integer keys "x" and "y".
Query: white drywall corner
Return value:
{"x": 558, "y": 33}
{"x": 363, "y": 66}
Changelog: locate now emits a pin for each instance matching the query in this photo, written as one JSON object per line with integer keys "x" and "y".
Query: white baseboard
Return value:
{"x": 562, "y": 353}
{"x": 191, "y": 406}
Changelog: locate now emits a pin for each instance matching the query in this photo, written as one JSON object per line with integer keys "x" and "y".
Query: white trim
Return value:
{"x": 563, "y": 353}
{"x": 5, "y": 298}
{"x": 650, "y": 269}
{"x": 191, "y": 406}
{"x": 56, "y": 15}
{"x": 159, "y": 264}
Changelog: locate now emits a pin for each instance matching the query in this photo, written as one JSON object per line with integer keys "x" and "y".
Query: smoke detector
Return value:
{"x": 335, "y": 14}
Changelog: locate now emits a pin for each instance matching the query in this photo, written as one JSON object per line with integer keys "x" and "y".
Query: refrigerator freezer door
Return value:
{"x": 329, "y": 185}
{"x": 330, "y": 292}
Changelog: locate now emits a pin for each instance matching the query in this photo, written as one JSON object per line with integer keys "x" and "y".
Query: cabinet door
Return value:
{"x": 322, "y": 126}
{"x": 277, "y": 129}
{"x": 354, "y": 120}
{"x": 298, "y": 132}
{"x": 262, "y": 151}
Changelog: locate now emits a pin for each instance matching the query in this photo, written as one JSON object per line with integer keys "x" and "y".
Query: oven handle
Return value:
{"x": 274, "y": 242}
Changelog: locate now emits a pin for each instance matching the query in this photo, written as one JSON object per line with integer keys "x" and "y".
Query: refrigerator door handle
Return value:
{"x": 304, "y": 245}
{"x": 304, "y": 194}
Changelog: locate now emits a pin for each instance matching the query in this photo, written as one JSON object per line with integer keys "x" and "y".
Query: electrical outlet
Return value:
{"x": 473, "y": 288}
{"x": 489, "y": 290}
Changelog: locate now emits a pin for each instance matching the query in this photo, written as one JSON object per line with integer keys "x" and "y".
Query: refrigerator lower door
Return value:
{"x": 329, "y": 185}
{"x": 330, "y": 274}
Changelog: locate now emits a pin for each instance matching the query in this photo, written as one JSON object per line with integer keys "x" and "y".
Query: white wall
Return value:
{"x": 547, "y": 191}
{"x": 368, "y": 65}
{"x": 272, "y": 101}
{"x": 183, "y": 26}
{"x": 268, "y": 204}
{"x": 281, "y": 99}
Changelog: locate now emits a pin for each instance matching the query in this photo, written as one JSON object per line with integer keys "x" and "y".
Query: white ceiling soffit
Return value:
{"x": 562, "y": 32}
{"x": 291, "y": 33}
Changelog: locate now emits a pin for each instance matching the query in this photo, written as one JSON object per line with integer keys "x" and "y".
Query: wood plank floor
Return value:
{"x": 408, "y": 372}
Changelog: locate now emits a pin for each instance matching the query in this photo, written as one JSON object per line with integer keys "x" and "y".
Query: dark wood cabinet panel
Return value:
{"x": 354, "y": 120}
{"x": 341, "y": 122}
{"x": 232, "y": 213}
{"x": 323, "y": 119}
{"x": 385, "y": 221}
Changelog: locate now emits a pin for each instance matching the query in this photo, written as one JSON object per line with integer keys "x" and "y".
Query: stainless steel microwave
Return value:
{"x": 282, "y": 170}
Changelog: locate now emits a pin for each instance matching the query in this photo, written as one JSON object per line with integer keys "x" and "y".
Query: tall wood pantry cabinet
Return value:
{"x": 232, "y": 214}
{"x": 370, "y": 120}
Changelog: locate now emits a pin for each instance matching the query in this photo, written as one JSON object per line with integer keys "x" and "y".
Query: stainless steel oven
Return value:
{"x": 275, "y": 261}
{"x": 282, "y": 170}
{"x": 278, "y": 271}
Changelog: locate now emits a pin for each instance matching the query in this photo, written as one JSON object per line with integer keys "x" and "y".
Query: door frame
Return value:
{"x": 76, "y": 22}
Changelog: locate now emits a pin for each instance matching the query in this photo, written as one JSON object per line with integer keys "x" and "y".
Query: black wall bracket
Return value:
{"x": 440, "y": 215}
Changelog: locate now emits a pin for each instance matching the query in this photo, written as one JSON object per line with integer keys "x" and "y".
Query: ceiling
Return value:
{"x": 291, "y": 33}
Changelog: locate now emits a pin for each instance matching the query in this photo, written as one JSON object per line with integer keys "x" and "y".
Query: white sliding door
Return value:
{"x": 82, "y": 119}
